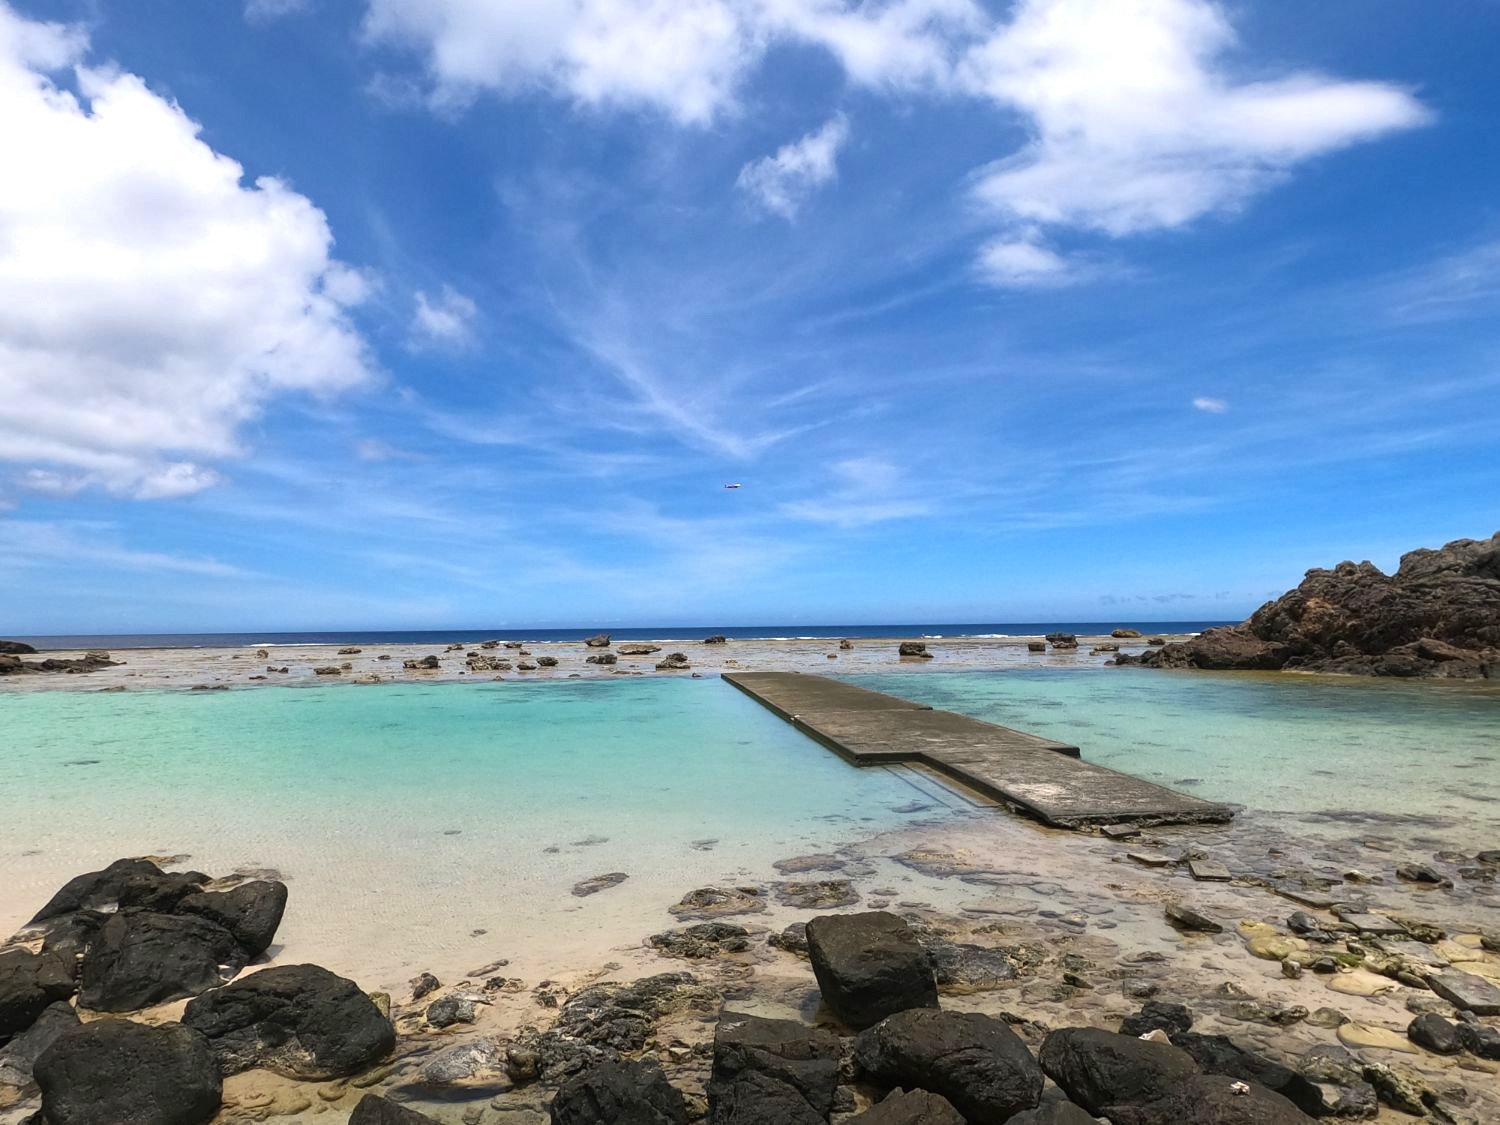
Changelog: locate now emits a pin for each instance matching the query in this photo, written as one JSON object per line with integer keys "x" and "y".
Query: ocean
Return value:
{"x": 665, "y": 633}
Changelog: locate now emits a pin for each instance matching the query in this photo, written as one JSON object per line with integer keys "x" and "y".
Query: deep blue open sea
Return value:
{"x": 633, "y": 632}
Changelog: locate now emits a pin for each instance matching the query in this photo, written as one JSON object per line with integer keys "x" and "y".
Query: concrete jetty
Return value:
{"x": 1037, "y": 776}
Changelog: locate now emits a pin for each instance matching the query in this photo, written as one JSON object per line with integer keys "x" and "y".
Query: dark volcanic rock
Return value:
{"x": 161, "y": 892}
{"x": 1480, "y": 1040}
{"x": 1098, "y": 1069}
{"x": 1055, "y": 1113}
{"x": 1212, "y": 1099}
{"x": 375, "y": 1110}
{"x": 143, "y": 958}
{"x": 300, "y": 1021}
{"x": 1217, "y": 1054}
{"x": 619, "y": 1093}
{"x": 598, "y": 640}
{"x": 95, "y": 890}
{"x": 914, "y": 648}
{"x": 29, "y": 984}
{"x": 19, "y": 1055}
{"x": 16, "y": 648}
{"x": 1435, "y": 1033}
{"x": 251, "y": 912}
{"x": 915, "y": 1107}
{"x": 975, "y": 1061}
{"x": 961, "y": 968}
{"x": 1156, "y": 1015}
{"x": 1438, "y": 615}
{"x": 869, "y": 966}
{"x": 771, "y": 1072}
{"x": 127, "y": 1073}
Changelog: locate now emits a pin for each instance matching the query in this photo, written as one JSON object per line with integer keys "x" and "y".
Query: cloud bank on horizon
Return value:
{"x": 529, "y": 263}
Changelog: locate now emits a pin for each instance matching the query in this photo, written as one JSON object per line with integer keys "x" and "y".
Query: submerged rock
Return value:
{"x": 818, "y": 894}
{"x": 719, "y": 902}
{"x": 706, "y": 939}
{"x": 869, "y": 966}
{"x": 597, "y": 883}
{"x": 301, "y": 1021}
{"x": 974, "y": 1061}
{"x": 126, "y": 1073}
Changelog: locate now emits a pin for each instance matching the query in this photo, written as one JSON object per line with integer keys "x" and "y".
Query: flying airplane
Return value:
{"x": 734, "y": 485}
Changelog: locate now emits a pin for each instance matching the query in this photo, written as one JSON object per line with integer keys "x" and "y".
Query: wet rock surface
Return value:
{"x": 771, "y": 1072}
{"x": 619, "y": 1093}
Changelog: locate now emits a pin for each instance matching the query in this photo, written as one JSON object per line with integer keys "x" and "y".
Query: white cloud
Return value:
{"x": 1137, "y": 125}
{"x": 686, "y": 58}
{"x": 1022, "y": 260}
{"x": 150, "y": 301}
{"x": 445, "y": 318}
{"x": 781, "y": 183}
{"x": 1210, "y": 405}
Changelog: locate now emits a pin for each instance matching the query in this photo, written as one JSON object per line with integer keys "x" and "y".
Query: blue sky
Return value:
{"x": 451, "y": 313}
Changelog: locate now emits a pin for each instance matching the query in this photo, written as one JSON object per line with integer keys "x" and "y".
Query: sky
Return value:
{"x": 342, "y": 314}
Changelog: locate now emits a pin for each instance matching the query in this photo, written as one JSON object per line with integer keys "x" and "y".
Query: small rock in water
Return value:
{"x": 1185, "y": 918}
{"x": 1206, "y": 870}
{"x": 718, "y": 902}
{"x": 801, "y": 864}
{"x": 598, "y": 883}
{"x": 1420, "y": 873}
{"x": 820, "y": 894}
{"x": 706, "y": 939}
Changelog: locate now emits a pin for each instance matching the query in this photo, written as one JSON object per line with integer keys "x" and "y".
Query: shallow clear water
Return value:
{"x": 407, "y": 816}
{"x": 1399, "y": 758}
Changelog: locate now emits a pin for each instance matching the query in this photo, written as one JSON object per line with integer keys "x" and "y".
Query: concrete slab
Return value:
{"x": 1039, "y": 776}
{"x": 1207, "y": 871}
{"x": 1467, "y": 992}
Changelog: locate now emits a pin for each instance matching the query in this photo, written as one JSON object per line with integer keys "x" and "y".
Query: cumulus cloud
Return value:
{"x": 1138, "y": 127}
{"x": 782, "y": 182}
{"x": 686, "y": 58}
{"x": 151, "y": 301}
{"x": 446, "y": 317}
{"x": 1210, "y": 405}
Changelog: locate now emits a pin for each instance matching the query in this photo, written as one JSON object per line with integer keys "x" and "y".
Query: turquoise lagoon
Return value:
{"x": 407, "y": 817}
{"x": 442, "y": 826}
{"x": 1416, "y": 762}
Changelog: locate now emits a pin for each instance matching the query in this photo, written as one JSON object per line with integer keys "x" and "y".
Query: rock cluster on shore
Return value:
{"x": 1437, "y": 616}
{"x": 11, "y": 663}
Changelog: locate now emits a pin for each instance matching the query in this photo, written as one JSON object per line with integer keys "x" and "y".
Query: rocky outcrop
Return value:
{"x": 637, "y": 649}
{"x": 301, "y": 1021}
{"x": 598, "y": 640}
{"x": 16, "y": 648}
{"x": 128, "y": 1074}
{"x": 974, "y": 1061}
{"x": 914, "y": 649}
{"x": 11, "y": 663}
{"x": 1437, "y": 616}
{"x": 869, "y": 966}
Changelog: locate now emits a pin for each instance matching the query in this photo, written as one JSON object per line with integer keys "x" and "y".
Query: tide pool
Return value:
{"x": 429, "y": 826}
{"x": 1415, "y": 761}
